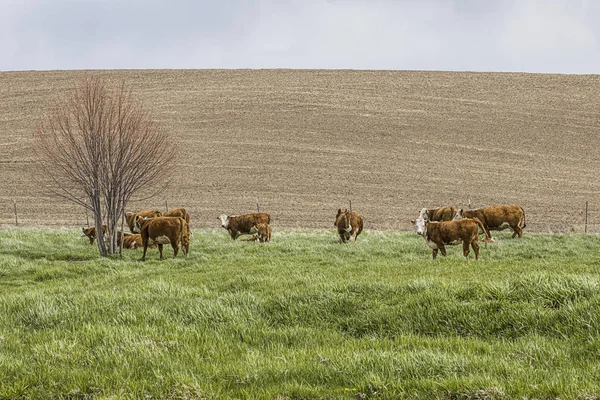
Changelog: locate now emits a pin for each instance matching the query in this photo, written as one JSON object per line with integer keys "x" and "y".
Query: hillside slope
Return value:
{"x": 304, "y": 142}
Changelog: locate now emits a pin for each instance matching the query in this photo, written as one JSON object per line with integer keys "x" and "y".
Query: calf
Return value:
{"x": 238, "y": 225}
{"x": 164, "y": 230}
{"x": 439, "y": 234}
{"x": 130, "y": 241}
{"x": 497, "y": 218}
{"x": 263, "y": 232}
{"x": 91, "y": 233}
{"x": 348, "y": 224}
{"x": 130, "y": 217}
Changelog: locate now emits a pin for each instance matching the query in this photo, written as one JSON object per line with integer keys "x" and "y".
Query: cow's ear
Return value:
{"x": 339, "y": 212}
{"x": 412, "y": 221}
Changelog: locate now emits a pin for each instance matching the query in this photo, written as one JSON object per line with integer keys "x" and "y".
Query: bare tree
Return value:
{"x": 99, "y": 147}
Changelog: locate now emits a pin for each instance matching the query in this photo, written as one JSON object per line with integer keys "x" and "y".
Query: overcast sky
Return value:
{"x": 559, "y": 36}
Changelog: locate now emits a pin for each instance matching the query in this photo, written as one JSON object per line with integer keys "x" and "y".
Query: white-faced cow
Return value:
{"x": 497, "y": 218}
{"x": 130, "y": 217}
{"x": 238, "y": 225}
{"x": 438, "y": 235}
{"x": 164, "y": 230}
{"x": 348, "y": 224}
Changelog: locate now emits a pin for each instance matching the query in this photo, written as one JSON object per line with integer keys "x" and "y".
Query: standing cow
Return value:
{"x": 438, "y": 235}
{"x": 131, "y": 217}
{"x": 238, "y": 225}
{"x": 348, "y": 224}
{"x": 164, "y": 230}
{"x": 445, "y": 213}
{"x": 498, "y": 218}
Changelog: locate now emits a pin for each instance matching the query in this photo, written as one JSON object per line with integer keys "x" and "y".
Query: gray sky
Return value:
{"x": 475, "y": 35}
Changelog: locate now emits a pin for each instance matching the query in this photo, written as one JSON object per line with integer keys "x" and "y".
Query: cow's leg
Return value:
{"x": 518, "y": 231}
{"x": 145, "y": 244}
{"x": 442, "y": 249}
{"x": 466, "y": 250}
{"x": 475, "y": 246}
{"x": 434, "y": 253}
{"x": 160, "y": 248}
{"x": 175, "y": 249}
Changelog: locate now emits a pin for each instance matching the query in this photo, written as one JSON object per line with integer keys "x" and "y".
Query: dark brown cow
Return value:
{"x": 348, "y": 224}
{"x": 238, "y": 225}
{"x": 263, "y": 232}
{"x": 130, "y": 217}
{"x": 445, "y": 213}
{"x": 497, "y": 218}
{"x": 439, "y": 234}
{"x": 164, "y": 230}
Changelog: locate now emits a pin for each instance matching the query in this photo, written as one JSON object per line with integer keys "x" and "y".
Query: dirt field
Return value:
{"x": 305, "y": 142}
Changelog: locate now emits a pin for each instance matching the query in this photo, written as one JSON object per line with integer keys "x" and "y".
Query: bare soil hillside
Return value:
{"x": 304, "y": 142}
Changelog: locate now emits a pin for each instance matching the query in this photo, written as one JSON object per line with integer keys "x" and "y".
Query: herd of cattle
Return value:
{"x": 439, "y": 227}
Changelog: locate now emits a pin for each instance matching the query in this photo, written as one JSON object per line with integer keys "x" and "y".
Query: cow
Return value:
{"x": 178, "y": 212}
{"x": 131, "y": 241}
{"x": 130, "y": 217}
{"x": 498, "y": 218}
{"x": 439, "y": 234}
{"x": 445, "y": 213}
{"x": 348, "y": 224}
{"x": 263, "y": 232}
{"x": 245, "y": 224}
{"x": 164, "y": 230}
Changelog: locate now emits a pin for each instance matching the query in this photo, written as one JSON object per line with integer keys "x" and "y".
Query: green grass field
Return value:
{"x": 300, "y": 317}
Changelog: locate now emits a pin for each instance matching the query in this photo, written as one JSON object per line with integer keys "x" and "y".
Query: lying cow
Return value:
{"x": 445, "y": 213}
{"x": 130, "y": 241}
{"x": 263, "y": 232}
{"x": 238, "y": 225}
{"x": 164, "y": 230}
{"x": 497, "y": 218}
{"x": 439, "y": 234}
{"x": 130, "y": 217}
{"x": 348, "y": 224}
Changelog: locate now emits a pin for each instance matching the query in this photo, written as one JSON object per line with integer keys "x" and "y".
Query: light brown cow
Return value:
{"x": 439, "y": 234}
{"x": 130, "y": 217}
{"x": 445, "y": 213}
{"x": 348, "y": 224}
{"x": 497, "y": 218}
{"x": 131, "y": 240}
{"x": 238, "y": 225}
{"x": 178, "y": 212}
{"x": 164, "y": 230}
{"x": 91, "y": 233}
{"x": 263, "y": 232}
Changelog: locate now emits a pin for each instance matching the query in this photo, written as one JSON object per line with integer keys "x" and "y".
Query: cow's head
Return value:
{"x": 342, "y": 221}
{"x": 458, "y": 214}
{"x": 139, "y": 222}
{"x": 420, "y": 222}
{"x": 129, "y": 217}
{"x": 224, "y": 220}
{"x": 90, "y": 233}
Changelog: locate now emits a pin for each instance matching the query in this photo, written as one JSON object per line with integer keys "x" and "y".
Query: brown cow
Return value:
{"x": 178, "y": 212}
{"x": 164, "y": 230}
{"x": 131, "y": 241}
{"x": 130, "y": 217}
{"x": 497, "y": 218}
{"x": 238, "y": 225}
{"x": 263, "y": 232}
{"x": 439, "y": 234}
{"x": 348, "y": 224}
{"x": 445, "y": 213}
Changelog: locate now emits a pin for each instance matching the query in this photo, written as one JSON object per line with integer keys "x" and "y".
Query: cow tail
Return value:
{"x": 522, "y": 221}
{"x": 483, "y": 228}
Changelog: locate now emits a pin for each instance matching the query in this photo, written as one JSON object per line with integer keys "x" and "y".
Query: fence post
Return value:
{"x": 469, "y": 204}
{"x": 87, "y": 217}
{"x": 350, "y": 201}
{"x": 586, "y": 216}
{"x": 166, "y": 206}
{"x": 257, "y": 206}
{"x": 16, "y": 215}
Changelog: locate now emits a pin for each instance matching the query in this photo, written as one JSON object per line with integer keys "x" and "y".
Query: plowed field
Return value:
{"x": 305, "y": 142}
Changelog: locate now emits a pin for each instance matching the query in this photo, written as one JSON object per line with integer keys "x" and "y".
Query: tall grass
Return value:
{"x": 300, "y": 317}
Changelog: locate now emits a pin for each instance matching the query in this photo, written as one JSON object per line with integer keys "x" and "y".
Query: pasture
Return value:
{"x": 300, "y": 317}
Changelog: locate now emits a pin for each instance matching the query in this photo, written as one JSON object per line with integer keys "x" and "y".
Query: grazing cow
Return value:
{"x": 497, "y": 218}
{"x": 445, "y": 213}
{"x": 164, "y": 230}
{"x": 263, "y": 232}
{"x": 238, "y": 225}
{"x": 439, "y": 234}
{"x": 348, "y": 224}
{"x": 131, "y": 218}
